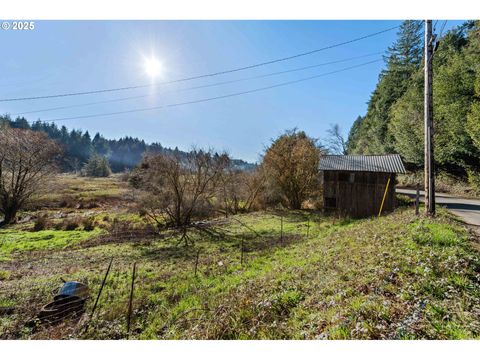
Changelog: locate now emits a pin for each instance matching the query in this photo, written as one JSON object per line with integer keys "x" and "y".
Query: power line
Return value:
{"x": 205, "y": 75}
{"x": 443, "y": 27}
{"x": 213, "y": 98}
{"x": 198, "y": 87}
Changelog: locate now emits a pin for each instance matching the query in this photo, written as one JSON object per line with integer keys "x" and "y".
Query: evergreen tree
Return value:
{"x": 100, "y": 145}
{"x": 456, "y": 94}
{"x": 403, "y": 58}
{"x": 20, "y": 123}
{"x": 96, "y": 166}
{"x": 407, "y": 123}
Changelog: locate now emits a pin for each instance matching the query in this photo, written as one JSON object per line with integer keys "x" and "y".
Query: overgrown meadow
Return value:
{"x": 276, "y": 274}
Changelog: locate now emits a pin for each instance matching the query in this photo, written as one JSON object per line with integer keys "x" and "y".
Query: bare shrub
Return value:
{"x": 180, "y": 188}
{"x": 88, "y": 223}
{"x": 40, "y": 223}
{"x": 68, "y": 224}
{"x": 240, "y": 190}
{"x": 63, "y": 203}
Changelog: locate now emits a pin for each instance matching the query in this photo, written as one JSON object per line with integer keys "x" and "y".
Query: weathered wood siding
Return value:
{"x": 357, "y": 194}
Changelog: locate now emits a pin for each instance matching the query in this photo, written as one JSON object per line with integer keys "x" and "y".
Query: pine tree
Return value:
{"x": 403, "y": 58}
{"x": 97, "y": 166}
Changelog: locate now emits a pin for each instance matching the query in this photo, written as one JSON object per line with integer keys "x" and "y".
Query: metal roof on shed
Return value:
{"x": 373, "y": 163}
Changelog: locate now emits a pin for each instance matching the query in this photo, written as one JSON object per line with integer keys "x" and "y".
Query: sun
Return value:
{"x": 153, "y": 67}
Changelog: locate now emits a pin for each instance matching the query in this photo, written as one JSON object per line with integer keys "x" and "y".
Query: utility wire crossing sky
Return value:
{"x": 47, "y": 68}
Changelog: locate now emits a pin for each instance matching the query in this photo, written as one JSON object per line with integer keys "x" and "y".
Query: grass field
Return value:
{"x": 315, "y": 277}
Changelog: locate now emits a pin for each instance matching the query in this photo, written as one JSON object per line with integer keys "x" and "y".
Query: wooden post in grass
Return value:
{"x": 281, "y": 228}
{"x": 308, "y": 226}
{"x": 130, "y": 302}
{"x": 99, "y": 293}
{"x": 417, "y": 200}
{"x": 241, "y": 253}
{"x": 196, "y": 262}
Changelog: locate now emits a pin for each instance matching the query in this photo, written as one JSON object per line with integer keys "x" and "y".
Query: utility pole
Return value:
{"x": 428, "y": 111}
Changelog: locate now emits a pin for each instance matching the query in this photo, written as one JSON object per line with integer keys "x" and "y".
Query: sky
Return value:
{"x": 59, "y": 57}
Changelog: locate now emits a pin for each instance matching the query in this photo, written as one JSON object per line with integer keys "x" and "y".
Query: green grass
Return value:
{"x": 24, "y": 241}
{"x": 4, "y": 274}
{"x": 396, "y": 277}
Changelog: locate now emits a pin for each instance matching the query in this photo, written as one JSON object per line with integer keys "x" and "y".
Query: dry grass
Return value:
{"x": 397, "y": 277}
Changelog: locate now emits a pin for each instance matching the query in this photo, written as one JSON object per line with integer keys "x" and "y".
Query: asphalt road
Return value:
{"x": 466, "y": 209}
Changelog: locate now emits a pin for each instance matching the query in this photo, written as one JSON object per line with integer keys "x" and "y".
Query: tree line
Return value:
{"x": 394, "y": 119}
{"x": 79, "y": 147}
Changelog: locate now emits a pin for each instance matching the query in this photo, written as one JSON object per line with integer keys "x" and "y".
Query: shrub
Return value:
{"x": 58, "y": 226}
{"x": 404, "y": 200}
{"x": 89, "y": 223}
{"x": 284, "y": 302}
{"x": 4, "y": 274}
{"x": 125, "y": 176}
{"x": 240, "y": 190}
{"x": 474, "y": 180}
{"x": 291, "y": 164}
{"x": 71, "y": 224}
{"x": 40, "y": 223}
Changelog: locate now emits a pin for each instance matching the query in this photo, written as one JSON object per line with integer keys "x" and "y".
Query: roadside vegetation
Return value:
{"x": 444, "y": 182}
{"x": 394, "y": 118}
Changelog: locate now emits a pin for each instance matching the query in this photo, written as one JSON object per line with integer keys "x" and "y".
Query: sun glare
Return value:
{"x": 153, "y": 67}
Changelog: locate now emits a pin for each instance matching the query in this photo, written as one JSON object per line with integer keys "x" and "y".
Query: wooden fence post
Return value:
{"x": 417, "y": 200}
{"x": 241, "y": 253}
{"x": 99, "y": 293}
{"x": 196, "y": 262}
{"x": 130, "y": 303}
{"x": 308, "y": 226}
{"x": 281, "y": 228}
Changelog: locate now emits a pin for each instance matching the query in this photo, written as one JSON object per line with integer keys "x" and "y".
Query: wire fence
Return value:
{"x": 23, "y": 301}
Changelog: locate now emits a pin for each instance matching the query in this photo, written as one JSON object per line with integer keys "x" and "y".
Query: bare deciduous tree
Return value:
{"x": 180, "y": 189}
{"x": 27, "y": 159}
{"x": 336, "y": 142}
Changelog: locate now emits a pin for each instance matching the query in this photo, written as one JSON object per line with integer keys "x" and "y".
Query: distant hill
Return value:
{"x": 124, "y": 153}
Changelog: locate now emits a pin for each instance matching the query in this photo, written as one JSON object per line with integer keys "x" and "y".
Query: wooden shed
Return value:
{"x": 355, "y": 185}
